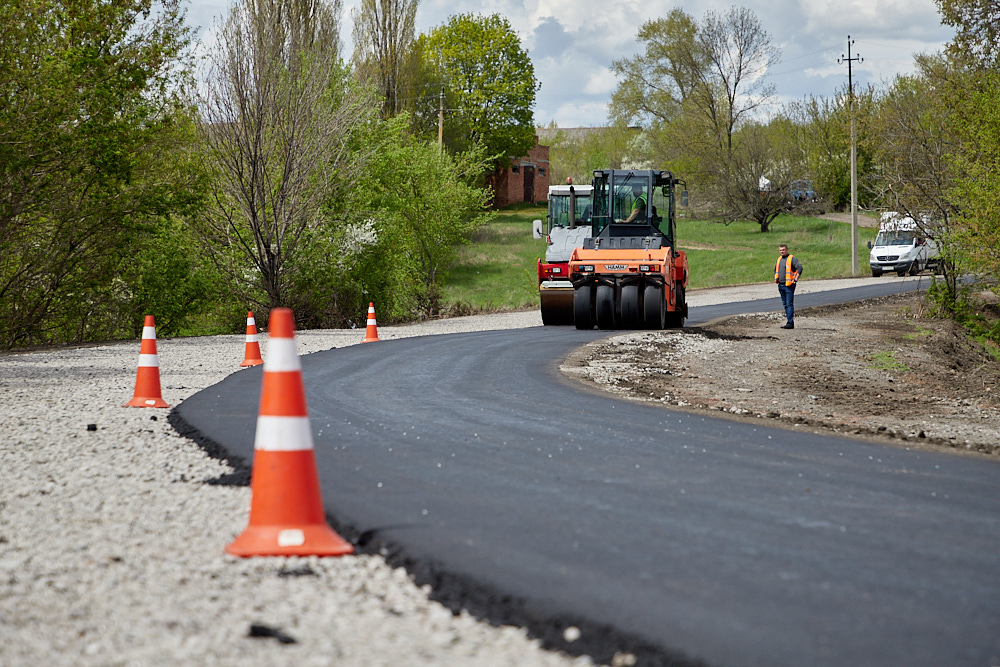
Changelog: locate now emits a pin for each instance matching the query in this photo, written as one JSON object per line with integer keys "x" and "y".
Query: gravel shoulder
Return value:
{"x": 111, "y": 544}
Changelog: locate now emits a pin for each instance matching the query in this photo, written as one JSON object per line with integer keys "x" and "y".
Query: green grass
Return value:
{"x": 739, "y": 254}
{"x": 497, "y": 270}
{"x": 920, "y": 331}
{"x": 886, "y": 361}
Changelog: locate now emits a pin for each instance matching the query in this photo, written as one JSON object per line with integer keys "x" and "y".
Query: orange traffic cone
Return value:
{"x": 147, "y": 378}
{"x": 286, "y": 507}
{"x": 371, "y": 331}
{"x": 252, "y": 356}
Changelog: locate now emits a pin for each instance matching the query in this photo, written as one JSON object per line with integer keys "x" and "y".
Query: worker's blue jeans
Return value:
{"x": 787, "y": 295}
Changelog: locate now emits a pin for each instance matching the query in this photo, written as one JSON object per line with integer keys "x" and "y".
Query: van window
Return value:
{"x": 904, "y": 237}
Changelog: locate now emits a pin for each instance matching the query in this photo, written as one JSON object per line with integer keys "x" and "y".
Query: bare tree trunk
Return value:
{"x": 383, "y": 37}
{"x": 278, "y": 119}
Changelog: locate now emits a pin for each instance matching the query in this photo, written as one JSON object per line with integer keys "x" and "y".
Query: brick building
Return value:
{"x": 525, "y": 180}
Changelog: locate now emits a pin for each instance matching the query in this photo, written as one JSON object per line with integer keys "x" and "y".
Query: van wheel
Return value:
{"x": 914, "y": 268}
{"x": 876, "y": 274}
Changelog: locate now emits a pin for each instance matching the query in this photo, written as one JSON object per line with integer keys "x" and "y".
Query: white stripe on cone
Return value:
{"x": 251, "y": 338}
{"x": 149, "y": 332}
{"x": 282, "y": 356}
{"x": 291, "y": 537}
{"x": 283, "y": 434}
{"x": 149, "y": 361}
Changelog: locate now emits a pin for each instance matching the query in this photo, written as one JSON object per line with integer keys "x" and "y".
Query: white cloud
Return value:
{"x": 889, "y": 18}
{"x": 601, "y": 82}
{"x": 573, "y": 42}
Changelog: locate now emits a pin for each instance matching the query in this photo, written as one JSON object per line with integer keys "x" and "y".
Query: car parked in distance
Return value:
{"x": 802, "y": 190}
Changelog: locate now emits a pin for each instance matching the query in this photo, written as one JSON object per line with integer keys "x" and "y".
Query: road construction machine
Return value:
{"x": 628, "y": 273}
{"x": 567, "y": 225}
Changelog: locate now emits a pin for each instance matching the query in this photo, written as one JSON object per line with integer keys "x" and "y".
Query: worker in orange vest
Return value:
{"x": 787, "y": 271}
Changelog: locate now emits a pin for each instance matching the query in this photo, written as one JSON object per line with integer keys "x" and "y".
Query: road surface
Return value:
{"x": 530, "y": 500}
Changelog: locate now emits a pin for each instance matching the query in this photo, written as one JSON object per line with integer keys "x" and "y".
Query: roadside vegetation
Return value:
{"x": 738, "y": 254}
{"x": 497, "y": 270}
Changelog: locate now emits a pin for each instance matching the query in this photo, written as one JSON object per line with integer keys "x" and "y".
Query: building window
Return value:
{"x": 516, "y": 169}
{"x": 541, "y": 171}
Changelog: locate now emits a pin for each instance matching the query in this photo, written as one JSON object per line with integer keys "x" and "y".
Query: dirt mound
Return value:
{"x": 879, "y": 369}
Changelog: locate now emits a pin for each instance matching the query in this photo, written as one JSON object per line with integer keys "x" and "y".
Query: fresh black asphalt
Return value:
{"x": 681, "y": 538}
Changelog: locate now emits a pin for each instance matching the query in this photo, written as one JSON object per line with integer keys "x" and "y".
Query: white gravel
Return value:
{"x": 111, "y": 545}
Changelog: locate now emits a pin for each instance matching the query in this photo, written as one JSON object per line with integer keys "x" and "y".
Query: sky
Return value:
{"x": 572, "y": 43}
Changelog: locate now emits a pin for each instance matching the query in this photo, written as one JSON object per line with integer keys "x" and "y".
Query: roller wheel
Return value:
{"x": 675, "y": 319}
{"x": 557, "y": 315}
{"x": 653, "y": 307}
{"x": 605, "y": 307}
{"x": 583, "y": 312}
{"x": 548, "y": 315}
{"x": 630, "y": 307}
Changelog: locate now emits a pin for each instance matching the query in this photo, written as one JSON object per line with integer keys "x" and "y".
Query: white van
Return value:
{"x": 901, "y": 246}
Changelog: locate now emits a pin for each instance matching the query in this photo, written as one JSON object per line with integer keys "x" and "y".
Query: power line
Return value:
{"x": 807, "y": 55}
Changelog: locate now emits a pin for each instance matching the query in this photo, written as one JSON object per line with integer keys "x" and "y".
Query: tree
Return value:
{"x": 491, "y": 81}
{"x": 977, "y": 23}
{"x": 823, "y": 132}
{"x": 915, "y": 131}
{"x": 912, "y": 136}
{"x": 710, "y": 70}
{"x": 825, "y": 136}
{"x": 395, "y": 239}
{"x": 281, "y": 119}
{"x": 976, "y": 227}
{"x": 970, "y": 94}
{"x": 764, "y": 162}
{"x": 739, "y": 52}
{"x": 577, "y": 156}
{"x": 655, "y": 85}
{"x": 93, "y": 158}
{"x": 431, "y": 199}
{"x": 694, "y": 87}
{"x": 383, "y": 47}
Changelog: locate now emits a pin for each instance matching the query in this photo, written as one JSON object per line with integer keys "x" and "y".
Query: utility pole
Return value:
{"x": 441, "y": 119}
{"x": 855, "y": 270}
